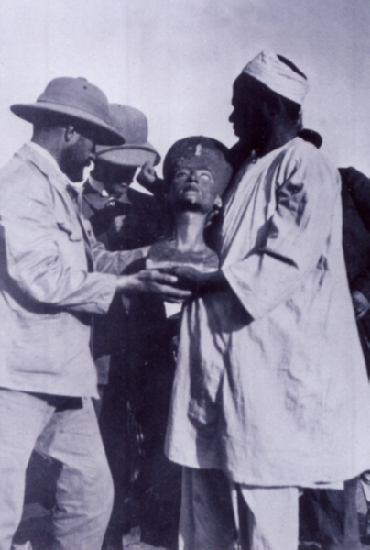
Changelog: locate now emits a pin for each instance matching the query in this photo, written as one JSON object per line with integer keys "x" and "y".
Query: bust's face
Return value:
{"x": 193, "y": 186}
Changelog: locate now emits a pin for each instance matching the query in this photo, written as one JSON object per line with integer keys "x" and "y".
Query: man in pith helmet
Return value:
{"x": 54, "y": 277}
{"x": 123, "y": 217}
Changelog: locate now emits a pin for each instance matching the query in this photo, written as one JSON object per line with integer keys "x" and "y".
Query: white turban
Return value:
{"x": 278, "y": 76}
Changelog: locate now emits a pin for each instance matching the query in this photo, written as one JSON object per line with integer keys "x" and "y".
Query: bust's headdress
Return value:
{"x": 199, "y": 153}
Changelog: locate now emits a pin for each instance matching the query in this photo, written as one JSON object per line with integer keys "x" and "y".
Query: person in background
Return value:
{"x": 130, "y": 343}
{"x": 121, "y": 218}
{"x": 356, "y": 247}
{"x": 338, "y": 512}
{"x": 284, "y": 399}
{"x": 356, "y": 244}
{"x": 54, "y": 277}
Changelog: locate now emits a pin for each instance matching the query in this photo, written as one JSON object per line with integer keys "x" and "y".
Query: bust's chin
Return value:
{"x": 186, "y": 205}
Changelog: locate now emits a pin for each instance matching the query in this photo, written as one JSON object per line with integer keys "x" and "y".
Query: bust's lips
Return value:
{"x": 191, "y": 191}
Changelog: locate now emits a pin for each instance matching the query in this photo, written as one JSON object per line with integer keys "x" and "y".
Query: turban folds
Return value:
{"x": 278, "y": 76}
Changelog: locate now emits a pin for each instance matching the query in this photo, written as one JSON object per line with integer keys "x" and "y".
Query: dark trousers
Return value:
{"x": 336, "y": 517}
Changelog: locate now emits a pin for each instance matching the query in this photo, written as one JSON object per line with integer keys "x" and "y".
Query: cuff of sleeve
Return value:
{"x": 244, "y": 294}
{"x": 108, "y": 291}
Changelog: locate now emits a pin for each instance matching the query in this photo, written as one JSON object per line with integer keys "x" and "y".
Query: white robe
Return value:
{"x": 271, "y": 385}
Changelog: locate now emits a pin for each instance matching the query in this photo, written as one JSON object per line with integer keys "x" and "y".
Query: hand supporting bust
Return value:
{"x": 198, "y": 282}
{"x": 153, "y": 281}
{"x": 196, "y": 171}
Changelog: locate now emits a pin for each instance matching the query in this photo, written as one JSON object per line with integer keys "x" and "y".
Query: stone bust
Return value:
{"x": 196, "y": 171}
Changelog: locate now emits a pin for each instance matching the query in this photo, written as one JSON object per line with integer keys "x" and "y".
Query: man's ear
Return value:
{"x": 70, "y": 134}
{"x": 272, "y": 108}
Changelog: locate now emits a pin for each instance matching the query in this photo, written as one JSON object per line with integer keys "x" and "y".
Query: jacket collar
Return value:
{"x": 44, "y": 162}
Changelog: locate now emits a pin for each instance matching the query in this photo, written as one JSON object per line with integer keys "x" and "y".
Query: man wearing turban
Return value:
{"x": 284, "y": 402}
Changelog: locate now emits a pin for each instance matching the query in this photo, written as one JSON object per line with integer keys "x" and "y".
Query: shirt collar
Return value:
{"x": 98, "y": 186}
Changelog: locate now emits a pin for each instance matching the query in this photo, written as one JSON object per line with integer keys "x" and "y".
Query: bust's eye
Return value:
{"x": 181, "y": 174}
{"x": 206, "y": 176}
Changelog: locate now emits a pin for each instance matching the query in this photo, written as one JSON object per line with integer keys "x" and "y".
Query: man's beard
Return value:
{"x": 72, "y": 166}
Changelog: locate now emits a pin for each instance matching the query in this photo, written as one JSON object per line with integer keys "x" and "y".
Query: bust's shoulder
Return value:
{"x": 165, "y": 254}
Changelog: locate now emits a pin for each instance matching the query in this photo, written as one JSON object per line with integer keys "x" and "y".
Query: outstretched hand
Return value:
{"x": 197, "y": 281}
{"x": 147, "y": 174}
{"x": 188, "y": 277}
{"x": 148, "y": 178}
{"x": 153, "y": 281}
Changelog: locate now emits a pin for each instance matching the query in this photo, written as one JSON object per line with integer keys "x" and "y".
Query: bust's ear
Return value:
{"x": 217, "y": 205}
{"x": 218, "y": 202}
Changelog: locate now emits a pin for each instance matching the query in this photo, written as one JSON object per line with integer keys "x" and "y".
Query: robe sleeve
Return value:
{"x": 292, "y": 242}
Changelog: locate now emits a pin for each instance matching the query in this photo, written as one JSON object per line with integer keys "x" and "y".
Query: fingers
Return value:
{"x": 173, "y": 269}
{"x": 147, "y": 166}
{"x": 157, "y": 276}
{"x": 155, "y": 282}
{"x": 174, "y": 296}
{"x": 147, "y": 173}
{"x": 170, "y": 293}
{"x": 186, "y": 273}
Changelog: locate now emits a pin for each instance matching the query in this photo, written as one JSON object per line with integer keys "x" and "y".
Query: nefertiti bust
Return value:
{"x": 197, "y": 171}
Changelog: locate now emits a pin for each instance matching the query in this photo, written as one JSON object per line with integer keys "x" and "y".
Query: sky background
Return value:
{"x": 176, "y": 60}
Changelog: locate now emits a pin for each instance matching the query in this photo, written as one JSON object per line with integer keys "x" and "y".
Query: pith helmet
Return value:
{"x": 131, "y": 124}
{"x": 75, "y": 101}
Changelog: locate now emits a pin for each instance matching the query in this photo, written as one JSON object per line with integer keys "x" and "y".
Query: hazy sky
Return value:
{"x": 177, "y": 59}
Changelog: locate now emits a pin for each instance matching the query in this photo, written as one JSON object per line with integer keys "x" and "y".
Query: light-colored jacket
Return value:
{"x": 48, "y": 289}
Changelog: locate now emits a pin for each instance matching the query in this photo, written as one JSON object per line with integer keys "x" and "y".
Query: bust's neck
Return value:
{"x": 188, "y": 231}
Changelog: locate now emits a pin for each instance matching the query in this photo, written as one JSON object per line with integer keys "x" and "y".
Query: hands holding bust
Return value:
{"x": 196, "y": 172}
{"x": 153, "y": 281}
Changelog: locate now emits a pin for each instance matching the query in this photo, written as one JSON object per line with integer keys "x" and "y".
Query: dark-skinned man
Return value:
{"x": 284, "y": 402}
{"x": 54, "y": 277}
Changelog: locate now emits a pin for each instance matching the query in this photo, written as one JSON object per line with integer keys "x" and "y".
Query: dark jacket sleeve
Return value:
{"x": 358, "y": 186}
{"x": 356, "y": 236}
